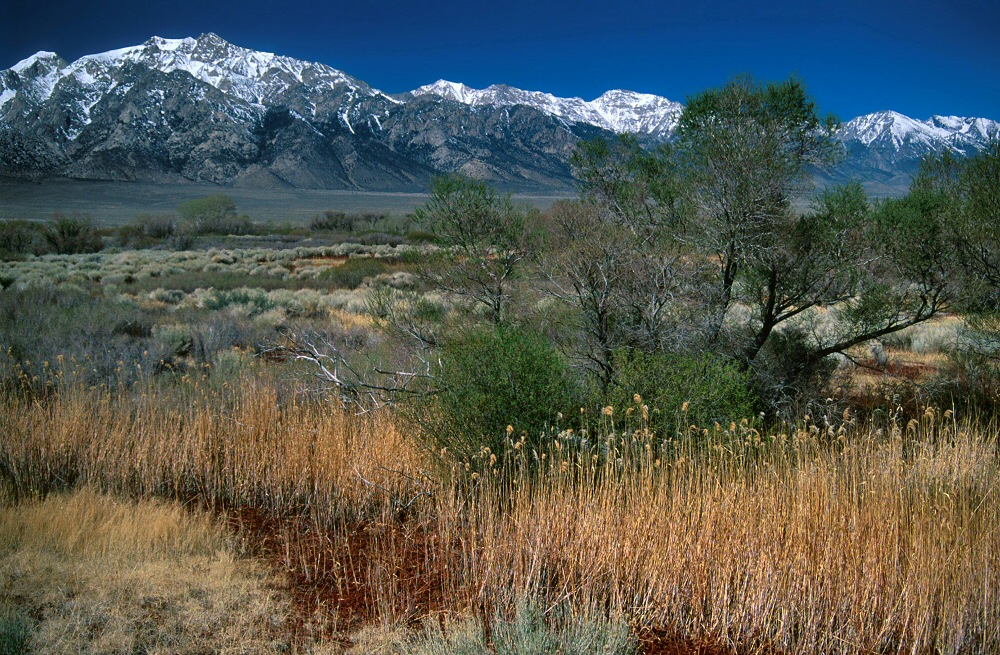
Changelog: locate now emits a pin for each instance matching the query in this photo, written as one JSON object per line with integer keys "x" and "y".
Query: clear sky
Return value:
{"x": 917, "y": 57}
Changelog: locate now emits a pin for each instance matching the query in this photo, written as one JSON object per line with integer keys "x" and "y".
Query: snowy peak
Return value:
{"x": 38, "y": 62}
{"x": 259, "y": 78}
{"x": 640, "y": 113}
{"x": 618, "y": 111}
{"x": 251, "y": 82}
{"x": 449, "y": 91}
{"x": 892, "y": 131}
{"x": 252, "y": 76}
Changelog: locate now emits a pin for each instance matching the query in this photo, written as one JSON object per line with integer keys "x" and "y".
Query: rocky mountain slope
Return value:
{"x": 206, "y": 110}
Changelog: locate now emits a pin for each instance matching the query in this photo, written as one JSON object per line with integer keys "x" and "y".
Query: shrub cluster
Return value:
{"x": 494, "y": 385}
{"x": 214, "y": 214}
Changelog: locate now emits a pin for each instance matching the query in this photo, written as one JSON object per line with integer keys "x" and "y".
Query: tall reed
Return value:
{"x": 876, "y": 538}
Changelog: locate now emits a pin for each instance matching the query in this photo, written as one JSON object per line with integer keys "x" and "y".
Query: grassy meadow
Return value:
{"x": 172, "y": 480}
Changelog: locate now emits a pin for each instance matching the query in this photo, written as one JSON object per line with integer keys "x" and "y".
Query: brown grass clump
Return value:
{"x": 847, "y": 539}
{"x": 92, "y": 574}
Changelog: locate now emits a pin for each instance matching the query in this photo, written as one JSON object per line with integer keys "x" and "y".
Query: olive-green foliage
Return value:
{"x": 487, "y": 235}
{"x": 353, "y": 272}
{"x": 112, "y": 341}
{"x": 969, "y": 192}
{"x": 19, "y": 238}
{"x": 420, "y": 236}
{"x": 15, "y": 632}
{"x": 70, "y": 235}
{"x": 147, "y": 229}
{"x": 255, "y": 300}
{"x": 38, "y": 325}
{"x": 338, "y": 221}
{"x": 639, "y": 186}
{"x": 490, "y": 377}
{"x": 682, "y": 389}
{"x": 214, "y": 214}
{"x": 330, "y": 220}
{"x": 530, "y": 631}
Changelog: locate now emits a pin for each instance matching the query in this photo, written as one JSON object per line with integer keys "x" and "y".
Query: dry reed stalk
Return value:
{"x": 871, "y": 540}
{"x": 864, "y": 544}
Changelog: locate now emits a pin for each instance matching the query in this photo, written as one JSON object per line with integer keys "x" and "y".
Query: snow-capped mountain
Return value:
{"x": 898, "y": 132}
{"x": 258, "y": 79}
{"x": 887, "y": 146}
{"x": 617, "y": 111}
{"x": 204, "y": 109}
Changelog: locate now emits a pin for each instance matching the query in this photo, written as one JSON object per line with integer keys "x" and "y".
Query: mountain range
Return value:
{"x": 206, "y": 110}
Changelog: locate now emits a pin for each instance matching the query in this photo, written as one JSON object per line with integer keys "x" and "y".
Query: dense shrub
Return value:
{"x": 99, "y": 340}
{"x": 213, "y": 215}
{"x": 15, "y": 632}
{"x": 147, "y": 229}
{"x": 97, "y": 333}
{"x": 681, "y": 389}
{"x": 353, "y": 272}
{"x": 530, "y": 629}
{"x": 331, "y": 221}
{"x": 19, "y": 238}
{"x": 255, "y": 300}
{"x": 420, "y": 236}
{"x": 493, "y": 377}
{"x": 790, "y": 381}
{"x": 380, "y": 239}
{"x": 70, "y": 235}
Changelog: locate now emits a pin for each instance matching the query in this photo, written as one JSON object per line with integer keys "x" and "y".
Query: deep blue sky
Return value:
{"x": 919, "y": 57}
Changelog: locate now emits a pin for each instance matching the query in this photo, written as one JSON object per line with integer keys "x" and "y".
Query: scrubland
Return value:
{"x": 173, "y": 481}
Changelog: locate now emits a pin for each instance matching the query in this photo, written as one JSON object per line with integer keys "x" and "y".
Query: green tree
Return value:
{"x": 744, "y": 151}
{"x": 617, "y": 257}
{"x": 973, "y": 189}
{"x": 732, "y": 240}
{"x": 487, "y": 239}
{"x": 632, "y": 186}
{"x": 967, "y": 191}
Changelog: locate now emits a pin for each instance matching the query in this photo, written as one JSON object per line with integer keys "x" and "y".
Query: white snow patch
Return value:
{"x": 7, "y": 96}
{"x": 25, "y": 64}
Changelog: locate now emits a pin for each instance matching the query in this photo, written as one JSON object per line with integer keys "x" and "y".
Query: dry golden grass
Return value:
{"x": 867, "y": 544}
{"x": 864, "y": 539}
{"x": 100, "y": 575}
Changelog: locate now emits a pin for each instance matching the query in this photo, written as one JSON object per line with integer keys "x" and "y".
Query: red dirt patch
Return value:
{"x": 335, "y": 576}
{"x": 659, "y": 641}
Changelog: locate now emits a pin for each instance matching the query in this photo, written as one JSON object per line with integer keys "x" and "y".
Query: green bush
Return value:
{"x": 147, "y": 229}
{"x": 15, "y": 632}
{"x": 789, "y": 384}
{"x": 213, "y": 215}
{"x": 255, "y": 300}
{"x": 353, "y": 272}
{"x": 97, "y": 333}
{"x": 681, "y": 389}
{"x": 331, "y": 221}
{"x": 492, "y": 377}
{"x": 70, "y": 235}
{"x": 420, "y": 236}
{"x": 19, "y": 238}
{"x": 530, "y": 631}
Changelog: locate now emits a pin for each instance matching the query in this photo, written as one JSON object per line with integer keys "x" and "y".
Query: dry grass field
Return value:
{"x": 845, "y": 538}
